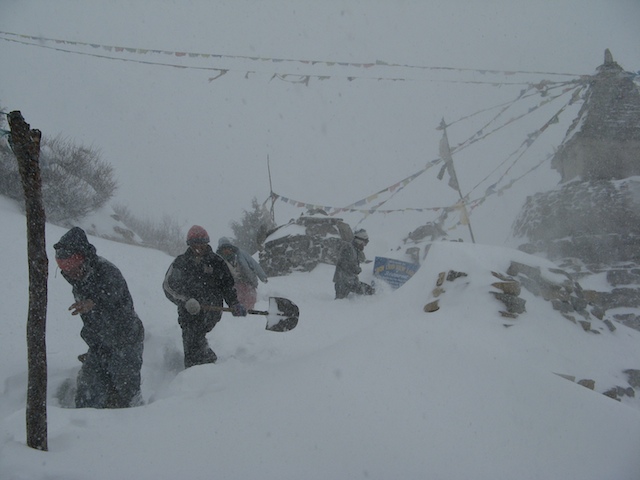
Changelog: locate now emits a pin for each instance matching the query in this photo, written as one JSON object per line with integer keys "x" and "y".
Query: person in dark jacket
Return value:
{"x": 245, "y": 270}
{"x": 110, "y": 372}
{"x": 196, "y": 280}
{"x": 350, "y": 256}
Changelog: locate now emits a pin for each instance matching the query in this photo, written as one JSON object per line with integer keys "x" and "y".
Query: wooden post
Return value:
{"x": 25, "y": 144}
{"x": 445, "y": 154}
{"x": 273, "y": 198}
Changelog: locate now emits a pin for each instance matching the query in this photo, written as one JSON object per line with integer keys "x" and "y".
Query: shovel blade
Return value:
{"x": 282, "y": 315}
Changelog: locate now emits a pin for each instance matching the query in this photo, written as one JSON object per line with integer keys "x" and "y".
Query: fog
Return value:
{"x": 259, "y": 80}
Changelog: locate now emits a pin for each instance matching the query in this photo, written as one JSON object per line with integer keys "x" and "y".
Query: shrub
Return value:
{"x": 166, "y": 235}
{"x": 75, "y": 179}
{"x": 251, "y": 231}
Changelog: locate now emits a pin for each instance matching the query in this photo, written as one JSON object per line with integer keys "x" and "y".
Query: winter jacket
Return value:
{"x": 348, "y": 264}
{"x": 112, "y": 323}
{"x": 110, "y": 372}
{"x": 206, "y": 278}
{"x": 243, "y": 266}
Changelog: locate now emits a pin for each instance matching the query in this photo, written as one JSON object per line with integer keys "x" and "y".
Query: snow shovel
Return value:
{"x": 282, "y": 315}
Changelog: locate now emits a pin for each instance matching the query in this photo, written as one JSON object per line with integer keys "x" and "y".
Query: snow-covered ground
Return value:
{"x": 363, "y": 388}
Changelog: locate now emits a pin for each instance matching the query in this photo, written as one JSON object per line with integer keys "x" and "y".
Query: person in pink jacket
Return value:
{"x": 245, "y": 270}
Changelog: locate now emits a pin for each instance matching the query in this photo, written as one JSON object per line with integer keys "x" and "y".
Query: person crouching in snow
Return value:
{"x": 110, "y": 372}
{"x": 350, "y": 256}
{"x": 195, "y": 280}
{"x": 245, "y": 270}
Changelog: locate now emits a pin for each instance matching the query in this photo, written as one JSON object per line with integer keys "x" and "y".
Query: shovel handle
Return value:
{"x": 282, "y": 315}
{"x": 213, "y": 308}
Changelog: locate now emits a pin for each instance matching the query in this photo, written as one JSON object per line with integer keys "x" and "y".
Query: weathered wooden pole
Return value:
{"x": 25, "y": 144}
{"x": 271, "y": 194}
{"x": 445, "y": 154}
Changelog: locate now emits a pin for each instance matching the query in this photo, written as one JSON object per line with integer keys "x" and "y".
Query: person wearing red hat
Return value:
{"x": 110, "y": 372}
{"x": 195, "y": 280}
{"x": 245, "y": 270}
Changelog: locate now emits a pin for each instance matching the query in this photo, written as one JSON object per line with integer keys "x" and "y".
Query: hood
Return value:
{"x": 225, "y": 241}
{"x": 72, "y": 242}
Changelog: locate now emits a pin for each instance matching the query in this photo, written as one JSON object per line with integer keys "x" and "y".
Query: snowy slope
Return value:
{"x": 368, "y": 387}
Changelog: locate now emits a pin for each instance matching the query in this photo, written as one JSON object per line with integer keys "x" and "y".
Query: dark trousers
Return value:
{"x": 110, "y": 377}
{"x": 194, "y": 338}
{"x": 343, "y": 289}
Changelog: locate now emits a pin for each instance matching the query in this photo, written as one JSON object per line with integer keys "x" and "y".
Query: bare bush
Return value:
{"x": 251, "y": 231}
{"x": 166, "y": 235}
{"x": 75, "y": 179}
{"x": 10, "y": 185}
{"x": 9, "y": 176}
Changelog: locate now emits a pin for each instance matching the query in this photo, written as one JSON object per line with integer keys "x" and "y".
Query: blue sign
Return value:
{"x": 394, "y": 272}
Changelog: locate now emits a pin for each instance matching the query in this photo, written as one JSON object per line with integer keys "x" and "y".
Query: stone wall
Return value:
{"x": 590, "y": 228}
{"x": 567, "y": 297}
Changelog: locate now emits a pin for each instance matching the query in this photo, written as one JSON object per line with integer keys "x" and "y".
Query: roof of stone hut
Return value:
{"x": 612, "y": 105}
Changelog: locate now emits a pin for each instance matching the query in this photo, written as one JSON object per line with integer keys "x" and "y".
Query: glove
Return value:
{"x": 238, "y": 310}
{"x": 193, "y": 306}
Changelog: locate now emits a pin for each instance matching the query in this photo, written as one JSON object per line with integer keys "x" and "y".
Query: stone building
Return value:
{"x": 303, "y": 243}
{"x": 590, "y": 223}
{"x": 605, "y": 137}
